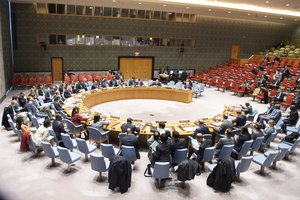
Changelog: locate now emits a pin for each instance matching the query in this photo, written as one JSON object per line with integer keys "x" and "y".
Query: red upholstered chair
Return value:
{"x": 49, "y": 80}
{"x": 288, "y": 100}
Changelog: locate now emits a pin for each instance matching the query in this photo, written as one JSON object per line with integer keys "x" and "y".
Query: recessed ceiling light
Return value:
{"x": 187, "y": 7}
{"x": 296, "y": 20}
{"x": 268, "y": 7}
{"x": 209, "y": 10}
{"x": 287, "y": 4}
{"x": 281, "y": 18}
{"x": 140, "y": 3}
{"x": 229, "y": 12}
{"x": 267, "y": 1}
{"x": 97, "y": 36}
{"x": 164, "y": 5}
{"x": 114, "y": 1}
{"x": 248, "y": 14}
{"x": 265, "y": 16}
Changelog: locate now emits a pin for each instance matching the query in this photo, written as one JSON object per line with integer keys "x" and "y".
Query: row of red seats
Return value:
{"x": 89, "y": 77}
{"x": 26, "y": 80}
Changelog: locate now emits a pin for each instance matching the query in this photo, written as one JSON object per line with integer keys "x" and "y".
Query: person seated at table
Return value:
{"x": 98, "y": 122}
{"x": 291, "y": 119}
{"x": 95, "y": 85}
{"x": 269, "y": 129}
{"x": 247, "y": 109}
{"x": 201, "y": 129}
{"x": 132, "y": 82}
{"x": 103, "y": 83}
{"x": 113, "y": 82}
{"x": 80, "y": 86}
{"x": 177, "y": 143}
{"x": 239, "y": 140}
{"x": 240, "y": 120}
{"x": 162, "y": 151}
{"x": 131, "y": 140}
{"x": 226, "y": 124}
{"x": 199, "y": 147}
{"x": 129, "y": 125}
{"x": 187, "y": 85}
{"x": 139, "y": 83}
{"x": 58, "y": 103}
{"x": 156, "y": 83}
{"x": 41, "y": 133}
{"x": 275, "y": 115}
{"x": 162, "y": 129}
{"x": 76, "y": 118}
{"x": 227, "y": 140}
{"x": 257, "y": 131}
{"x": 68, "y": 92}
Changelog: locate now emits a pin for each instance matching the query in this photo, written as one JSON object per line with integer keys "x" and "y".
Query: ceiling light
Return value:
{"x": 267, "y": 1}
{"x": 83, "y": 36}
{"x": 164, "y": 5}
{"x": 187, "y": 7}
{"x": 238, "y": 6}
{"x": 114, "y": 1}
{"x": 140, "y": 3}
{"x": 287, "y": 4}
{"x": 209, "y": 10}
{"x": 97, "y": 36}
{"x": 281, "y": 18}
{"x": 229, "y": 12}
{"x": 248, "y": 14}
{"x": 265, "y": 16}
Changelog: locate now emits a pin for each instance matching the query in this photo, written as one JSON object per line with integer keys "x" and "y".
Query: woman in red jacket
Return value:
{"x": 76, "y": 119}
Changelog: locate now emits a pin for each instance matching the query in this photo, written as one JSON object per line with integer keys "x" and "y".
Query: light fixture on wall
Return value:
{"x": 43, "y": 46}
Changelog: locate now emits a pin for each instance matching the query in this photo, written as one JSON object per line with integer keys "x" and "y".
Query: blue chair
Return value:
{"x": 179, "y": 85}
{"x": 270, "y": 139}
{"x": 50, "y": 151}
{"x": 265, "y": 161}
{"x": 52, "y": 133}
{"x": 242, "y": 165}
{"x": 68, "y": 142}
{"x": 291, "y": 146}
{"x": 256, "y": 144}
{"x": 108, "y": 151}
{"x": 278, "y": 125}
{"x": 281, "y": 154}
{"x": 171, "y": 84}
{"x": 179, "y": 156}
{"x": 74, "y": 130}
{"x": 295, "y": 128}
{"x": 65, "y": 116}
{"x": 129, "y": 153}
{"x": 160, "y": 171}
{"x": 208, "y": 155}
{"x": 225, "y": 152}
{"x": 99, "y": 164}
{"x": 16, "y": 131}
{"x": 97, "y": 135}
{"x": 35, "y": 122}
{"x": 199, "y": 89}
{"x": 32, "y": 147}
{"x": 67, "y": 157}
{"x": 250, "y": 117}
{"x": 85, "y": 148}
{"x": 244, "y": 150}
{"x": 120, "y": 136}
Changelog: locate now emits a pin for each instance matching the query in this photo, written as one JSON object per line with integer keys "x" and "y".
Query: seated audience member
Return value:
{"x": 129, "y": 125}
{"x": 33, "y": 109}
{"x": 58, "y": 127}
{"x": 162, "y": 151}
{"x": 240, "y": 139}
{"x": 256, "y": 92}
{"x": 22, "y": 101}
{"x": 226, "y": 124}
{"x": 58, "y": 103}
{"x": 156, "y": 83}
{"x": 80, "y": 86}
{"x": 48, "y": 95}
{"x": 41, "y": 91}
{"x": 279, "y": 96}
{"x": 269, "y": 129}
{"x": 68, "y": 92}
{"x": 153, "y": 138}
{"x": 257, "y": 132}
{"x": 41, "y": 133}
{"x": 247, "y": 109}
{"x": 131, "y": 140}
{"x": 227, "y": 140}
{"x": 275, "y": 115}
{"x": 26, "y": 133}
{"x": 177, "y": 143}
{"x": 98, "y": 123}
{"x": 270, "y": 109}
{"x": 199, "y": 149}
{"x": 201, "y": 129}
{"x": 240, "y": 120}
{"x": 33, "y": 92}
{"x": 76, "y": 118}
{"x": 291, "y": 119}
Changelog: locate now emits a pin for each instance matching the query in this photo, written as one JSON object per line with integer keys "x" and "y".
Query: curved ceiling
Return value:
{"x": 280, "y": 11}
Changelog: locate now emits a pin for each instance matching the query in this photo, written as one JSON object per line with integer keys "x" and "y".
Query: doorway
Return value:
{"x": 57, "y": 68}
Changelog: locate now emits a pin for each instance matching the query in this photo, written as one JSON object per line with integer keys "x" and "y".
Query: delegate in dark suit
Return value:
{"x": 131, "y": 140}
{"x": 228, "y": 139}
{"x": 239, "y": 121}
{"x": 178, "y": 143}
{"x": 58, "y": 127}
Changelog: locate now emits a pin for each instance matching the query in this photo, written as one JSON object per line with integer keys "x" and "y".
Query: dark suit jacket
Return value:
{"x": 178, "y": 144}
{"x": 292, "y": 119}
{"x": 67, "y": 94}
{"x": 126, "y": 126}
{"x": 48, "y": 97}
{"x": 162, "y": 153}
{"x": 239, "y": 121}
{"x": 22, "y": 101}
{"x": 242, "y": 138}
{"x": 131, "y": 140}
{"x": 57, "y": 106}
{"x": 202, "y": 129}
{"x": 58, "y": 128}
{"x": 222, "y": 142}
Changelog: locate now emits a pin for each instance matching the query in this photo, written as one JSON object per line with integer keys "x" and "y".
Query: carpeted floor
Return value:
{"x": 23, "y": 176}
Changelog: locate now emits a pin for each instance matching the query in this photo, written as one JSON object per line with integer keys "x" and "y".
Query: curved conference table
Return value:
{"x": 86, "y": 100}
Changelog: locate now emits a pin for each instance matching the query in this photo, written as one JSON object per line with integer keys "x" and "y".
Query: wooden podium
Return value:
{"x": 140, "y": 67}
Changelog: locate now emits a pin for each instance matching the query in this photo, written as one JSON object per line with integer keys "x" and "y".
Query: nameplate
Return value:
{"x": 137, "y": 120}
{"x": 161, "y": 121}
{"x": 114, "y": 117}
{"x": 184, "y": 121}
